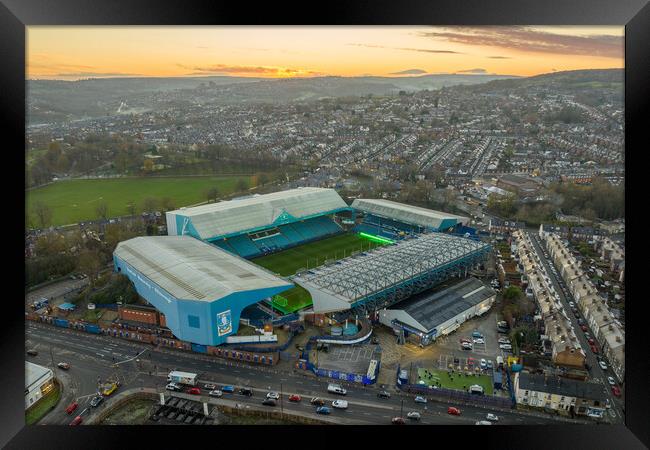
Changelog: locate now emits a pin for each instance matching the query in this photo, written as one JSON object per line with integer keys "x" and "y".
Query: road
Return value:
{"x": 596, "y": 371}
{"x": 92, "y": 356}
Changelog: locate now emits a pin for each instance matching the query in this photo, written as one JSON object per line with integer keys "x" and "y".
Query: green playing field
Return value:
{"x": 457, "y": 381}
{"x": 311, "y": 255}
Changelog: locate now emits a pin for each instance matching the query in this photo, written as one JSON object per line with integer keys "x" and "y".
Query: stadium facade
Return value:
{"x": 201, "y": 289}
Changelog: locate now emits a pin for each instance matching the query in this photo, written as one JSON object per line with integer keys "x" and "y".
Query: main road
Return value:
{"x": 142, "y": 365}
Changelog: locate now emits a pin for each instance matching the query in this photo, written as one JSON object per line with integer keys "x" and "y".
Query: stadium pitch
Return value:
{"x": 309, "y": 256}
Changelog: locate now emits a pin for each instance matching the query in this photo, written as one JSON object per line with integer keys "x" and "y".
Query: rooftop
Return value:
{"x": 433, "y": 308}
{"x": 192, "y": 270}
{"x": 35, "y": 373}
{"x": 561, "y": 386}
{"x": 408, "y": 214}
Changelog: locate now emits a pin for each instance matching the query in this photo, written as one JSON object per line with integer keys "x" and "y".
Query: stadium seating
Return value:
{"x": 243, "y": 246}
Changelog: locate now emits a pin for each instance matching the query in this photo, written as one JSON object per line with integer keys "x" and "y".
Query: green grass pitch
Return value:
{"x": 310, "y": 255}
{"x": 75, "y": 201}
{"x": 461, "y": 383}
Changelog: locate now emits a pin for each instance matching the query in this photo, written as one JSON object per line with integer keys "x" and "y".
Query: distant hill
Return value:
{"x": 56, "y": 100}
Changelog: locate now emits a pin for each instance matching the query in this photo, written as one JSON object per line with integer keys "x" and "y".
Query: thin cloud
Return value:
{"x": 97, "y": 74}
{"x": 409, "y": 72}
{"x": 499, "y": 57}
{"x": 529, "y": 40}
{"x": 422, "y": 50}
{"x": 482, "y": 71}
{"x": 252, "y": 70}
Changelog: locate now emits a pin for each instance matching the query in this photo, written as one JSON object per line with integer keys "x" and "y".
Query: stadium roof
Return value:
{"x": 192, "y": 270}
{"x": 342, "y": 284}
{"x": 432, "y": 309}
{"x": 409, "y": 214}
{"x": 233, "y": 216}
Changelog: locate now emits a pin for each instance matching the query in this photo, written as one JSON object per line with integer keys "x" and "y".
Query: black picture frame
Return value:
{"x": 16, "y": 14}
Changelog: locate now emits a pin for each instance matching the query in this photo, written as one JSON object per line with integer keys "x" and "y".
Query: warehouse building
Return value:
{"x": 39, "y": 381}
{"x": 200, "y": 289}
{"x": 431, "y": 314}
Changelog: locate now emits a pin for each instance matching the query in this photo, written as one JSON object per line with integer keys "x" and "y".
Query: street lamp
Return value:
{"x": 401, "y": 411}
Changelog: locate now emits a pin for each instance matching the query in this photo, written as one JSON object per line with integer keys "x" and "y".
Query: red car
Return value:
{"x": 465, "y": 340}
{"x": 398, "y": 421}
{"x": 453, "y": 411}
{"x": 71, "y": 407}
{"x": 591, "y": 341}
{"x": 470, "y": 361}
{"x": 194, "y": 391}
{"x": 594, "y": 349}
{"x": 294, "y": 398}
{"x": 76, "y": 421}
{"x": 616, "y": 391}
{"x": 583, "y": 327}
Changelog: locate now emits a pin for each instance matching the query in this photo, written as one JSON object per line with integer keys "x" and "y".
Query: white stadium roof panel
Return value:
{"x": 406, "y": 213}
{"x": 190, "y": 269}
{"x": 223, "y": 218}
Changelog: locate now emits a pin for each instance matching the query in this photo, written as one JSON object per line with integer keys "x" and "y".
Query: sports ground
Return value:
{"x": 310, "y": 255}
{"x": 73, "y": 201}
{"x": 457, "y": 380}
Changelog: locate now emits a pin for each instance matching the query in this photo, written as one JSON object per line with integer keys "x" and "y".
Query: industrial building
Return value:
{"x": 200, "y": 289}
{"x": 39, "y": 381}
{"x": 431, "y": 314}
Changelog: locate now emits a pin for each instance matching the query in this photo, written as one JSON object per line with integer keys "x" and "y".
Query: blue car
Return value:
{"x": 229, "y": 389}
{"x": 323, "y": 410}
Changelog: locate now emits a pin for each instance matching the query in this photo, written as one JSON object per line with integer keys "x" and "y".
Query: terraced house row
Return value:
{"x": 606, "y": 329}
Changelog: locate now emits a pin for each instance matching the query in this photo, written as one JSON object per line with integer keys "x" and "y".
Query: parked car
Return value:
{"x": 414, "y": 415}
{"x": 466, "y": 346}
{"x": 611, "y": 381}
{"x": 504, "y": 340}
{"x": 572, "y": 305}
{"x": 317, "y": 401}
{"x": 453, "y": 411}
{"x": 228, "y": 389}
{"x": 340, "y": 404}
{"x": 194, "y": 391}
{"x": 591, "y": 341}
{"x": 323, "y": 410}
{"x": 465, "y": 340}
{"x": 483, "y": 364}
{"x": 269, "y": 402}
{"x": 273, "y": 395}
{"x": 616, "y": 391}
{"x": 63, "y": 365}
{"x": 583, "y": 327}
{"x": 420, "y": 399}
{"x": 398, "y": 421}
{"x": 483, "y": 422}
{"x": 32, "y": 352}
{"x": 96, "y": 401}
{"x": 209, "y": 386}
{"x": 479, "y": 341}
{"x": 215, "y": 393}
{"x": 476, "y": 334}
{"x": 76, "y": 421}
{"x": 492, "y": 417}
{"x": 456, "y": 360}
{"x": 602, "y": 365}
{"x": 71, "y": 407}
{"x": 489, "y": 364}
{"x": 470, "y": 361}
{"x": 295, "y": 398}
{"x": 594, "y": 349}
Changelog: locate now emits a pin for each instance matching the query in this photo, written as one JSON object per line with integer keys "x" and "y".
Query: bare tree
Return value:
{"x": 242, "y": 185}
{"x": 102, "y": 210}
{"x": 212, "y": 194}
{"x": 150, "y": 204}
{"x": 43, "y": 214}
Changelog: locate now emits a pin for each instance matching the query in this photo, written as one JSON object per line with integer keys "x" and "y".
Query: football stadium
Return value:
{"x": 294, "y": 251}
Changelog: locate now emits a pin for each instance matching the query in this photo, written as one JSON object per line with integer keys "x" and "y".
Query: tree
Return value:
{"x": 263, "y": 179}
{"x": 102, "y": 210}
{"x": 90, "y": 263}
{"x": 148, "y": 165}
{"x": 43, "y": 214}
{"x": 167, "y": 204}
{"x": 512, "y": 293}
{"x": 212, "y": 194}
{"x": 242, "y": 185}
{"x": 150, "y": 204}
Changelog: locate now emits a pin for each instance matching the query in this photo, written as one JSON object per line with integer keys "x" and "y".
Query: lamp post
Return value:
{"x": 281, "y": 403}
{"x": 401, "y": 411}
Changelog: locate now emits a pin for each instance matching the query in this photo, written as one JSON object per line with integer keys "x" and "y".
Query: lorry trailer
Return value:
{"x": 182, "y": 378}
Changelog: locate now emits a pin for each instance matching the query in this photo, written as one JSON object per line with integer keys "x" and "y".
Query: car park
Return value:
{"x": 269, "y": 402}
{"x": 398, "y": 421}
{"x": 340, "y": 404}
{"x": 194, "y": 391}
{"x": 492, "y": 417}
{"x": 96, "y": 401}
{"x": 63, "y": 365}
{"x": 420, "y": 399}
{"x": 453, "y": 411}
{"x": 71, "y": 407}
{"x": 76, "y": 421}
{"x": 273, "y": 395}
{"x": 611, "y": 381}
{"x": 414, "y": 415}
{"x": 317, "y": 401}
{"x": 323, "y": 410}
{"x": 295, "y": 398}
{"x": 383, "y": 394}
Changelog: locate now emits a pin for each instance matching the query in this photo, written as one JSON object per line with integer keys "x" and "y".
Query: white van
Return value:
{"x": 476, "y": 389}
{"x": 336, "y": 389}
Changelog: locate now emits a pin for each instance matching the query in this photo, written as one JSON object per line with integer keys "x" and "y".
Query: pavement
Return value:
{"x": 92, "y": 356}
{"x": 596, "y": 372}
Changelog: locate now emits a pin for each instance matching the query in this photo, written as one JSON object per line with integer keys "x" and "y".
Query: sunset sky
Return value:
{"x": 65, "y": 52}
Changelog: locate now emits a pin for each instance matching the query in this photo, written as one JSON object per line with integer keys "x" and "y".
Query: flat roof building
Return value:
{"x": 39, "y": 381}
